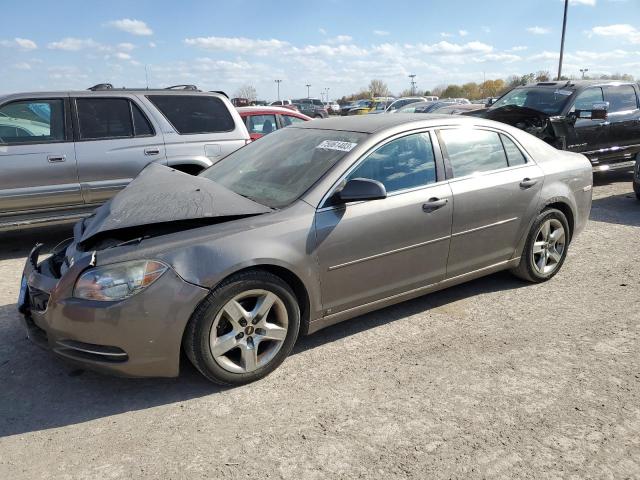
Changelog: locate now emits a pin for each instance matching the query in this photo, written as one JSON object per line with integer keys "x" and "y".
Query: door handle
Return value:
{"x": 527, "y": 183}
{"x": 56, "y": 158}
{"x": 152, "y": 151}
{"x": 434, "y": 204}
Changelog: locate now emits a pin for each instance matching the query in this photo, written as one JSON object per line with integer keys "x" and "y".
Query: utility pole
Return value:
{"x": 308, "y": 87}
{"x": 327, "y": 93}
{"x": 413, "y": 83}
{"x": 278, "y": 82}
{"x": 564, "y": 30}
{"x": 583, "y": 71}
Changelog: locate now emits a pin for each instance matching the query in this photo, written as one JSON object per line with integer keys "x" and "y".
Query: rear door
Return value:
{"x": 114, "y": 141}
{"x": 37, "y": 158}
{"x": 200, "y": 127}
{"x": 624, "y": 117}
{"x": 495, "y": 190}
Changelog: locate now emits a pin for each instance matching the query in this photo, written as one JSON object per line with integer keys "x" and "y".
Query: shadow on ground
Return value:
{"x": 39, "y": 391}
{"x": 622, "y": 209}
{"x": 609, "y": 178}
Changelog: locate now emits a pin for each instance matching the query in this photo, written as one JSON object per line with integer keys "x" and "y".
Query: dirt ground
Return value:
{"x": 492, "y": 379}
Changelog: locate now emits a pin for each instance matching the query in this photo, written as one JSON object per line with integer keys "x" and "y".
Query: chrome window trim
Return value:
{"x": 528, "y": 158}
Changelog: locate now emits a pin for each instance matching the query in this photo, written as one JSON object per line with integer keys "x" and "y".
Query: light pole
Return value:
{"x": 278, "y": 82}
{"x": 583, "y": 71}
{"x": 413, "y": 83}
{"x": 308, "y": 87}
{"x": 564, "y": 30}
{"x": 326, "y": 90}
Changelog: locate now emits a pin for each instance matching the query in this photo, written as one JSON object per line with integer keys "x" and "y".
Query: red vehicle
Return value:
{"x": 263, "y": 120}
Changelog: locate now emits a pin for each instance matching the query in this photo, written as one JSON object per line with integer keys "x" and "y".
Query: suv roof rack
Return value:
{"x": 108, "y": 86}
{"x": 183, "y": 87}
{"x": 220, "y": 92}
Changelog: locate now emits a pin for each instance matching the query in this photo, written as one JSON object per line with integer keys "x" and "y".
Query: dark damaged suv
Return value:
{"x": 600, "y": 119}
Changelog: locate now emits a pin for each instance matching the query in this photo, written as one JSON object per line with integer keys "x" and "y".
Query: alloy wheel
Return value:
{"x": 249, "y": 331}
{"x": 549, "y": 246}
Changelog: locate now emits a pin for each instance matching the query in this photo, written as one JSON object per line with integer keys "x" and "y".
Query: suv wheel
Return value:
{"x": 546, "y": 247}
{"x": 244, "y": 329}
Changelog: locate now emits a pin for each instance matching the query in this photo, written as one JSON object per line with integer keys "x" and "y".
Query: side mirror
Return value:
{"x": 359, "y": 189}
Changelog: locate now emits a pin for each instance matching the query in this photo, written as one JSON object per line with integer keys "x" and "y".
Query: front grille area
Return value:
{"x": 38, "y": 300}
{"x": 90, "y": 351}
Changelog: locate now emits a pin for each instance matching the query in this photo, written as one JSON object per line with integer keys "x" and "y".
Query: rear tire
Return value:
{"x": 546, "y": 247}
{"x": 636, "y": 189}
{"x": 244, "y": 329}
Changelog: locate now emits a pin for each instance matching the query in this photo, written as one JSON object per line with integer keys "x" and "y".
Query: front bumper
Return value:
{"x": 137, "y": 337}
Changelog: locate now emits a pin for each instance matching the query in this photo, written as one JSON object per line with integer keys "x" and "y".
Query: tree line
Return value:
{"x": 471, "y": 90}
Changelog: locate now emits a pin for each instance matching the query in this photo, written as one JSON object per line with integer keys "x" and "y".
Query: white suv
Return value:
{"x": 64, "y": 153}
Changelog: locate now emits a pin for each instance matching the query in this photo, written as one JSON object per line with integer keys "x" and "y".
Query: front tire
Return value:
{"x": 244, "y": 329}
{"x": 546, "y": 247}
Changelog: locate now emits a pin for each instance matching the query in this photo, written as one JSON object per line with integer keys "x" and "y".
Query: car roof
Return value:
{"x": 266, "y": 109}
{"x": 377, "y": 123}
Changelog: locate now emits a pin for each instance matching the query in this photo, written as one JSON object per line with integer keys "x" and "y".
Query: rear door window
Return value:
{"x": 141, "y": 125}
{"x": 621, "y": 98}
{"x": 192, "y": 114}
{"x": 473, "y": 151}
{"x": 32, "y": 121}
{"x": 514, "y": 155}
{"x": 104, "y": 118}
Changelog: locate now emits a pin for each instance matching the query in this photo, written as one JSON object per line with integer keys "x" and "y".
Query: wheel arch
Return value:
{"x": 290, "y": 278}
{"x": 564, "y": 206}
{"x": 559, "y": 203}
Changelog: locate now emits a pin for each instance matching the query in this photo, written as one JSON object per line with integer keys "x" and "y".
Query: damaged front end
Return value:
{"x": 552, "y": 129}
{"x": 161, "y": 201}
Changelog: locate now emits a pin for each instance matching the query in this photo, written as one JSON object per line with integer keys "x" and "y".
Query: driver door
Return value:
{"x": 374, "y": 249}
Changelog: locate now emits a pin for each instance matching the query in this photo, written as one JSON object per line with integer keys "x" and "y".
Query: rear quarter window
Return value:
{"x": 192, "y": 114}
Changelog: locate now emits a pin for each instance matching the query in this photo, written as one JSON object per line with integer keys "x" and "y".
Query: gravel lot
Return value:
{"x": 495, "y": 378}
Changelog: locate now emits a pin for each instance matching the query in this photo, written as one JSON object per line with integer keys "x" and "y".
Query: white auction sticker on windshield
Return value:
{"x": 563, "y": 92}
{"x": 337, "y": 145}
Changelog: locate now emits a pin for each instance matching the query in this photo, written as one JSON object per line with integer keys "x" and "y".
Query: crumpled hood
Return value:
{"x": 510, "y": 114}
{"x": 162, "y": 195}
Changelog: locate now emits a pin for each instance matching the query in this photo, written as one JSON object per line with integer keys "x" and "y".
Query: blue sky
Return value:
{"x": 340, "y": 45}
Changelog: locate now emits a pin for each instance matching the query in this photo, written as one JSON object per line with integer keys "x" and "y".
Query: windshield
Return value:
{"x": 547, "y": 100}
{"x": 277, "y": 169}
{"x": 417, "y": 107}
